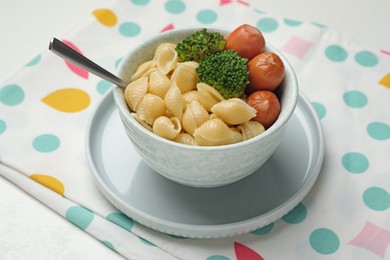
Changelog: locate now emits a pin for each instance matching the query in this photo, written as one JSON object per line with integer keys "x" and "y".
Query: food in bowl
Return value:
{"x": 197, "y": 165}
{"x": 208, "y": 89}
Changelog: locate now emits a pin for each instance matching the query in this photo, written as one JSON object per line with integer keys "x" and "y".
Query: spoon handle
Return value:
{"x": 69, "y": 54}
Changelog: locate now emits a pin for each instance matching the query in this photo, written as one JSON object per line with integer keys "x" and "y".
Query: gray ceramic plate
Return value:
{"x": 154, "y": 201}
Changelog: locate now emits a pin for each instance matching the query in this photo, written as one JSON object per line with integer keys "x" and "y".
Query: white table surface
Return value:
{"x": 30, "y": 230}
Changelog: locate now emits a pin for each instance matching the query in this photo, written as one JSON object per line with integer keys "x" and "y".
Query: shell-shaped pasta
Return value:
{"x": 135, "y": 91}
{"x": 251, "y": 129}
{"x": 174, "y": 101}
{"x": 185, "y": 77}
{"x": 166, "y": 58}
{"x": 208, "y": 96}
{"x": 162, "y": 47}
{"x": 234, "y": 111}
{"x": 215, "y": 132}
{"x": 189, "y": 96}
{"x": 143, "y": 69}
{"x": 150, "y": 108}
{"x": 159, "y": 84}
{"x": 185, "y": 138}
{"x": 141, "y": 122}
{"x": 194, "y": 116}
{"x": 167, "y": 128}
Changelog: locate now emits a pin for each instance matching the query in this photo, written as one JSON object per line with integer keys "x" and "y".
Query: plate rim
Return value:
{"x": 218, "y": 230}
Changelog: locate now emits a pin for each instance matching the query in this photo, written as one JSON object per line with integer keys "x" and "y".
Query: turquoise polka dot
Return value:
{"x": 117, "y": 62}
{"x": 366, "y": 58}
{"x": 267, "y": 25}
{"x": 175, "y": 6}
{"x": 320, "y": 25}
{"x": 324, "y": 241}
{"x": 3, "y": 126}
{"x": 109, "y": 245}
{"x": 355, "y": 99}
{"x": 291, "y": 22}
{"x": 129, "y": 29}
{"x": 79, "y": 216}
{"x": 376, "y": 198}
{"x": 206, "y": 16}
{"x": 34, "y": 61}
{"x": 355, "y": 162}
{"x": 121, "y": 220}
{"x": 217, "y": 257}
{"x": 379, "y": 130}
{"x": 320, "y": 109}
{"x": 297, "y": 215}
{"x": 140, "y": 2}
{"x": 103, "y": 86}
{"x": 264, "y": 230}
{"x": 11, "y": 95}
{"x": 46, "y": 143}
{"x": 336, "y": 53}
{"x": 146, "y": 242}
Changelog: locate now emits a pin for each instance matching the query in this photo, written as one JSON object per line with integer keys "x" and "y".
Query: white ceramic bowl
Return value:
{"x": 200, "y": 166}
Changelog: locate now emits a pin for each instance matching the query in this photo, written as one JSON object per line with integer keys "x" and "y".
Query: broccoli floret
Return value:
{"x": 225, "y": 71}
{"x": 197, "y": 45}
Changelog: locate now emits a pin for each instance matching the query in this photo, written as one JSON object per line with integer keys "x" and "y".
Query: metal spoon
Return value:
{"x": 69, "y": 54}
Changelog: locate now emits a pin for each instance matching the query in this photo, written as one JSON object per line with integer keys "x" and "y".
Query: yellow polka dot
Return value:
{"x": 50, "y": 182}
{"x": 385, "y": 81}
{"x": 105, "y": 17}
{"x": 68, "y": 100}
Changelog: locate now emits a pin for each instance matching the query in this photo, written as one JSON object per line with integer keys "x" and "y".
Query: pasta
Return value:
{"x": 174, "y": 101}
{"x": 234, "y": 111}
{"x": 167, "y": 128}
{"x": 135, "y": 91}
{"x": 150, "y": 108}
{"x": 251, "y": 129}
{"x": 216, "y": 132}
{"x": 166, "y": 97}
{"x": 194, "y": 115}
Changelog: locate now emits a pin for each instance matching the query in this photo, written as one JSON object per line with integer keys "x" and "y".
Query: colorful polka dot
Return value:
{"x": 355, "y": 162}
{"x": 366, "y": 59}
{"x": 376, "y": 198}
{"x": 297, "y": 46}
{"x": 267, "y": 25}
{"x": 355, "y": 99}
{"x": 34, "y": 61}
{"x": 118, "y": 62}
{"x": 103, "y": 86}
{"x": 50, "y": 182}
{"x": 207, "y": 16}
{"x": 379, "y": 131}
{"x": 264, "y": 230}
{"x": 79, "y": 216}
{"x": 385, "y": 80}
{"x": 121, "y": 220}
{"x": 291, "y": 22}
{"x": 46, "y": 143}
{"x": 105, "y": 17}
{"x": 175, "y": 6}
{"x": 320, "y": 109}
{"x": 336, "y": 53}
{"x": 129, "y": 29}
{"x": 217, "y": 257}
{"x": 146, "y": 242}
{"x": 11, "y": 95}
{"x": 74, "y": 68}
{"x": 109, "y": 245}
{"x": 297, "y": 215}
{"x": 324, "y": 241}
{"x": 68, "y": 100}
{"x": 318, "y": 24}
{"x": 3, "y": 126}
{"x": 140, "y": 2}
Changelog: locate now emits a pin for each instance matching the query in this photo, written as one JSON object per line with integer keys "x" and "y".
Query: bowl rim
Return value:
{"x": 286, "y": 112}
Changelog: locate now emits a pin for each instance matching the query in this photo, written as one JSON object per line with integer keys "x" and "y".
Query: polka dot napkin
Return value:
{"x": 44, "y": 108}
